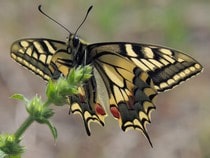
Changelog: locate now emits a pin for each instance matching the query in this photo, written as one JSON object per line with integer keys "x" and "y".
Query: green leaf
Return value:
{"x": 50, "y": 88}
{"x": 20, "y": 97}
{"x": 52, "y": 129}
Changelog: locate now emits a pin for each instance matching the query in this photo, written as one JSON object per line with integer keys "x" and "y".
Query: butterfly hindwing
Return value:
{"x": 131, "y": 90}
{"x": 86, "y": 104}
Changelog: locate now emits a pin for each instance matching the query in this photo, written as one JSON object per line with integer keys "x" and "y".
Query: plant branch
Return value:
{"x": 23, "y": 127}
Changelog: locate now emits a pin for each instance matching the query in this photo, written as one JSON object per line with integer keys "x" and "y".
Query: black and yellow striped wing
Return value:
{"x": 131, "y": 91}
{"x": 131, "y": 73}
{"x": 45, "y": 57}
{"x": 166, "y": 67}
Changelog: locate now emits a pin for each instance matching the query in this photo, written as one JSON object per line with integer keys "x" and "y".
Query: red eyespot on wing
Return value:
{"x": 99, "y": 109}
{"x": 115, "y": 112}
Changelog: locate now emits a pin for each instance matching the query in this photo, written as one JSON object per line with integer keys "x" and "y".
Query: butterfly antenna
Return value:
{"x": 41, "y": 11}
{"x": 88, "y": 11}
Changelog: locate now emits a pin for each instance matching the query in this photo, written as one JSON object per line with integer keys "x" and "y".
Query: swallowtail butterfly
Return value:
{"x": 132, "y": 73}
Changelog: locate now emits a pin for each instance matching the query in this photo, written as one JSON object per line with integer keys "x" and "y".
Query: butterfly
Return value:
{"x": 132, "y": 75}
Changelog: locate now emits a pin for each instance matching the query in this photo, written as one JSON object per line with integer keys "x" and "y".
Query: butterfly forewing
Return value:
{"x": 45, "y": 57}
{"x": 166, "y": 67}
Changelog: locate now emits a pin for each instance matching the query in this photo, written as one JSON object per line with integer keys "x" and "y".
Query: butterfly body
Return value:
{"x": 131, "y": 73}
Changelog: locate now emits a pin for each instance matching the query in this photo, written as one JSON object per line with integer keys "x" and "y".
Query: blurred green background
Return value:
{"x": 180, "y": 126}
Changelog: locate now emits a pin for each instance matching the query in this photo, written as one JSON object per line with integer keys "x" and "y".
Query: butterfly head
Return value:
{"x": 73, "y": 41}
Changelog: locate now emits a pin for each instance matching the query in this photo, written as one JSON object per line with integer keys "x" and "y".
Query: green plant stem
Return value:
{"x": 23, "y": 127}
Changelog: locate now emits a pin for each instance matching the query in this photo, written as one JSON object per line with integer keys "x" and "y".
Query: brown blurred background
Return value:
{"x": 180, "y": 126}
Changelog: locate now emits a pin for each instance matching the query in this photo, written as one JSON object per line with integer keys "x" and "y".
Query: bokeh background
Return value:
{"x": 181, "y": 124}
